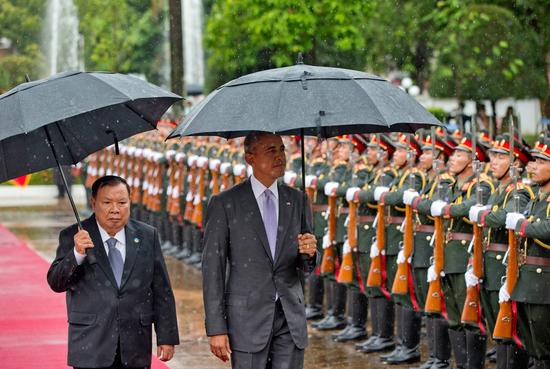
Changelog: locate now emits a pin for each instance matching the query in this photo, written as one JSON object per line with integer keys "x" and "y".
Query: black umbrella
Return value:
{"x": 62, "y": 119}
{"x": 305, "y": 100}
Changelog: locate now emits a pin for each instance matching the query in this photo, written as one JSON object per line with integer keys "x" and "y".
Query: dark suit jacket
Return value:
{"x": 99, "y": 313}
{"x": 242, "y": 302}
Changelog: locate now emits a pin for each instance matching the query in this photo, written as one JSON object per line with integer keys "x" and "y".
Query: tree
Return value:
{"x": 482, "y": 55}
{"x": 247, "y": 35}
{"x": 122, "y": 35}
{"x": 20, "y": 22}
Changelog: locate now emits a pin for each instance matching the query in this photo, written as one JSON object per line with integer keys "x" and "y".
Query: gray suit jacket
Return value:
{"x": 240, "y": 277}
{"x": 99, "y": 313}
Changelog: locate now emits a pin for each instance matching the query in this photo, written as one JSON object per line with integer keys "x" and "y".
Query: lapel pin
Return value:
{"x": 136, "y": 240}
{"x": 288, "y": 203}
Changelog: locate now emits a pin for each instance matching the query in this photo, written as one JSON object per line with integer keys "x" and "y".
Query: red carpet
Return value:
{"x": 33, "y": 319}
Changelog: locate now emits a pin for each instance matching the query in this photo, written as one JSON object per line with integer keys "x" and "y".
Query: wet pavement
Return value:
{"x": 39, "y": 225}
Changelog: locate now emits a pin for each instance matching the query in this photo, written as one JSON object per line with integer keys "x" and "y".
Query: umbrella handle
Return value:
{"x": 89, "y": 253}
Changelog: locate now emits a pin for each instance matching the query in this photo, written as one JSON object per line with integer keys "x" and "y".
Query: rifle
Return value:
{"x": 503, "y": 326}
{"x": 401, "y": 281}
{"x": 197, "y": 210}
{"x": 329, "y": 254}
{"x": 345, "y": 274}
{"x": 188, "y": 213}
{"x": 434, "y": 297}
{"x": 374, "y": 278}
{"x": 177, "y": 189}
{"x": 471, "y": 311}
{"x": 171, "y": 182}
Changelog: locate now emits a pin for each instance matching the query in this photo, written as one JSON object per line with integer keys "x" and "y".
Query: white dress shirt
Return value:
{"x": 120, "y": 237}
{"x": 258, "y": 188}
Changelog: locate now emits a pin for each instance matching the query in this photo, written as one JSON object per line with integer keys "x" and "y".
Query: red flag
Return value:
{"x": 21, "y": 181}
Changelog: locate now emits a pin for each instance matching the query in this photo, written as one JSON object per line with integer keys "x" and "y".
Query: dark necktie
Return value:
{"x": 115, "y": 259}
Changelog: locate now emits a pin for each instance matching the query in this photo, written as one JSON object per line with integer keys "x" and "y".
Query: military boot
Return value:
{"x": 314, "y": 309}
{"x": 375, "y": 333}
{"x": 476, "y": 346}
{"x": 328, "y": 287}
{"x": 411, "y": 323}
{"x": 398, "y": 309}
{"x": 509, "y": 356}
{"x": 458, "y": 344}
{"x": 358, "y": 317}
{"x": 336, "y": 319}
{"x": 196, "y": 259}
{"x": 430, "y": 336}
{"x": 186, "y": 241}
{"x": 542, "y": 364}
{"x": 386, "y": 315}
{"x": 442, "y": 349}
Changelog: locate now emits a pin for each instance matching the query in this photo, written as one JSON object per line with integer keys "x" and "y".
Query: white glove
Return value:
{"x": 131, "y": 150}
{"x": 179, "y": 156}
{"x": 224, "y": 167}
{"x": 437, "y": 207}
{"x": 374, "y": 252}
{"x": 239, "y": 170}
{"x": 378, "y": 191}
{"x": 346, "y": 248}
{"x": 409, "y": 196}
{"x": 351, "y": 192}
{"x": 197, "y": 199}
{"x": 471, "y": 279}
{"x": 311, "y": 180}
{"x": 189, "y": 196}
{"x": 503, "y": 294}
{"x": 432, "y": 275}
{"x": 192, "y": 160}
{"x": 326, "y": 242}
{"x": 139, "y": 152}
{"x": 401, "y": 257}
{"x": 214, "y": 164}
{"x": 331, "y": 187}
{"x": 475, "y": 211}
{"x": 202, "y": 161}
{"x": 512, "y": 220}
{"x": 158, "y": 156}
{"x": 170, "y": 154}
{"x": 289, "y": 177}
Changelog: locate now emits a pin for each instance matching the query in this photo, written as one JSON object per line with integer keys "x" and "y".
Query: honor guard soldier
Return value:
{"x": 530, "y": 294}
{"x": 510, "y": 193}
{"x": 471, "y": 188}
{"x": 435, "y": 153}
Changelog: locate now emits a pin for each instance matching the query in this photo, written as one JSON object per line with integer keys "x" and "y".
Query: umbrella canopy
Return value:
{"x": 305, "y": 99}
{"x": 64, "y": 118}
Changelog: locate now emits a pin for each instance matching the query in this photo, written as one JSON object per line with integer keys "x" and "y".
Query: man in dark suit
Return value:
{"x": 113, "y": 301}
{"x": 257, "y": 243}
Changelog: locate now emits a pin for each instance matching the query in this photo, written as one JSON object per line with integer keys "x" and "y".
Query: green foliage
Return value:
{"x": 483, "y": 54}
{"x": 439, "y": 113}
{"x": 249, "y": 35}
{"x": 122, "y": 35}
{"x": 20, "y": 22}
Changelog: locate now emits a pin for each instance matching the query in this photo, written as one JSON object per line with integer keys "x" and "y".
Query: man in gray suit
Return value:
{"x": 113, "y": 301}
{"x": 257, "y": 243}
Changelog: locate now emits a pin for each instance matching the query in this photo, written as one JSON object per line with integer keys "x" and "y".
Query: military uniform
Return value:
{"x": 468, "y": 347}
{"x": 531, "y": 290}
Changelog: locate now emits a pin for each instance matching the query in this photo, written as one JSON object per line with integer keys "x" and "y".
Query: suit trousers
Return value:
{"x": 279, "y": 353}
{"x": 117, "y": 363}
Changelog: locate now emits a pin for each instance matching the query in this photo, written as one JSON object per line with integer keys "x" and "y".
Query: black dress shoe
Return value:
{"x": 342, "y": 332}
{"x": 427, "y": 364}
{"x": 314, "y": 313}
{"x": 352, "y": 333}
{"x": 322, "y": 321}
{"x": 441, "y": 364}
{"x": 396, "y": 351}
{"x": 405, "y": 355}
{"x": 380, "y": 344}
{"x": 369, "y": 341}
{"x": 332, "y": 322}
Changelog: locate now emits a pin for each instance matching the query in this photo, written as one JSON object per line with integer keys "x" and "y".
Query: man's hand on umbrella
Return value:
{"x": 307, "y": 244}
{"x": 82, "y": 241}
